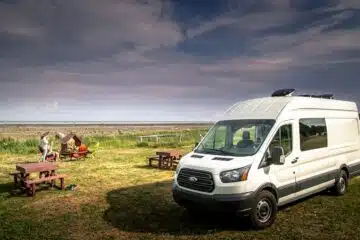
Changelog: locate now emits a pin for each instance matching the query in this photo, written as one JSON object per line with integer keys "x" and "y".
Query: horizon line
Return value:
{"x": 101, "y": 122}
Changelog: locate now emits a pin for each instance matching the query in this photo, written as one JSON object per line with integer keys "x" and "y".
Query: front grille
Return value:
{"x": 204, "y": 180}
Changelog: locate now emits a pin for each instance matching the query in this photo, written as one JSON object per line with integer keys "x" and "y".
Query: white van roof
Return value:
{"x": 271, "y": 107}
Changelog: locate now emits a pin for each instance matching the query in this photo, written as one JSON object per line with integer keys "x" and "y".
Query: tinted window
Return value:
{"x": 283, "y": 138}
{"x": 313, "y": 133}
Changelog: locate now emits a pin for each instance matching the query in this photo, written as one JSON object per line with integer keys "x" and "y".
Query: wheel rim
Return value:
{"x": 342, "y": 184}
{"x": 263, "y": 210}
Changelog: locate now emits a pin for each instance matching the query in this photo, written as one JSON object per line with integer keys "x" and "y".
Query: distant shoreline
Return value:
{"x": 88, "y": 123}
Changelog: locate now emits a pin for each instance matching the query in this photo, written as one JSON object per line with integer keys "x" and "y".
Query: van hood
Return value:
{"x": 214, "y": 163}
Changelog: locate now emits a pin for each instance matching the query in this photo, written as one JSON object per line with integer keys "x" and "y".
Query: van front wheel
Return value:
{"x": 263, "y": 211}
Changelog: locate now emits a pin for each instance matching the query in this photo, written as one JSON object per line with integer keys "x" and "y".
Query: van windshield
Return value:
{"x": 235, "y": 137}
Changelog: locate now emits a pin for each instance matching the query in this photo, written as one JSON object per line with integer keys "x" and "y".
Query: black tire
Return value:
{"x": 341, "y": 184}
{"x": 263, "y": 212}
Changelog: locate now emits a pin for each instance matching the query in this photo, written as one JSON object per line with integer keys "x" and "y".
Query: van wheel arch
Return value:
{"x": 269, "y": 187}
{"x": 346, "y": 169}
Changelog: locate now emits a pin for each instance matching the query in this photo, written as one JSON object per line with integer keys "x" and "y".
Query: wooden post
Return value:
{"x": 159, "y": 162}
{"x": 15, "y": 179}
{"x": 33, "y": 189}
{"x": 62, "y": 183}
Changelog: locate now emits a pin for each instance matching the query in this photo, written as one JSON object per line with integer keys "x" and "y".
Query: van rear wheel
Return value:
{"x": 340, "y": 184}
{"x": 264, "y": 210}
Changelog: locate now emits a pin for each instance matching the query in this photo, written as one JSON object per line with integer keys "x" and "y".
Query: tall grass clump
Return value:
{"x": 10, "y": 145}
{"x": 116, "y": 141}
{"x": 121, "y": 140}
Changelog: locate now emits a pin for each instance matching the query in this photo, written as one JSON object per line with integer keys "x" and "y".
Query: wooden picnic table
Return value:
{"x": 166, "y": 159}
{"x": 47, "y": 174}
{"x": 28, "y": 168}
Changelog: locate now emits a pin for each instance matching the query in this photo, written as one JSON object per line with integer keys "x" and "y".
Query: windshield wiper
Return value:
{"x": 217, "y": 151}
{"x": 212, "y": 150}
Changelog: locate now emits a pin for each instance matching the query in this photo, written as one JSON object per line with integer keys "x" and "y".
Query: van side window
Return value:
{"x": 283, "y": 138}
{"x": 313, "y": 133}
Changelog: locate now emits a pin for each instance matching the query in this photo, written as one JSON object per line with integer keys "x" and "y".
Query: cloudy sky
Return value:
{"x": 161, "y": 60}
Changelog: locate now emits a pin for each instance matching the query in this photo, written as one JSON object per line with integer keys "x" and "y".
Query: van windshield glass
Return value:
{"x": 235, "y": 137}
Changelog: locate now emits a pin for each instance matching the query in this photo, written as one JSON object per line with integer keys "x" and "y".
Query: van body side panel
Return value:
{"x": 283, "y": 176}
{"x": 317, "y": 169}
{"x": 312, "y": 167}
{"x": 354, "y": 161}
{"x": 344, "y": 143}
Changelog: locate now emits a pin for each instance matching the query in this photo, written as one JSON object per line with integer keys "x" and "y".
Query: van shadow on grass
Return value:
{"x": 150, "y": 208}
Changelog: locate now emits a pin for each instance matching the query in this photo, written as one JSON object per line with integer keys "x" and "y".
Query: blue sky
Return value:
{"x": 163, "y": 60}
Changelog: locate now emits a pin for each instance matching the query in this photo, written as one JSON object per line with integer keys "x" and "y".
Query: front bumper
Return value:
{"x": 240, "y": 203}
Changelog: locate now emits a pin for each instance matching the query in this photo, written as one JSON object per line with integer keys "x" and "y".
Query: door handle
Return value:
{"x": 295, "y": 160}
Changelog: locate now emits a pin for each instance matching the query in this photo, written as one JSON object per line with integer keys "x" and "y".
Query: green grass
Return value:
{"x": 118, "y": 197}
{"x": 119, "y": 140}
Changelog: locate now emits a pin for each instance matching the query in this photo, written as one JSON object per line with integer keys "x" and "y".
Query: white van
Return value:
{"x": 271, "y": 151}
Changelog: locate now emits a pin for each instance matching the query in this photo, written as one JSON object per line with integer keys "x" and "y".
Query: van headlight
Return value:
{"x": 235, "y": 175}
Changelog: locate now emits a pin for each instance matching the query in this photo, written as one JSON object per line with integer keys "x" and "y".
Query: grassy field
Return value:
{"x": 119, "y": 197}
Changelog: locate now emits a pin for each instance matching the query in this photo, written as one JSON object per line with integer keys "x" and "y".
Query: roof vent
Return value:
{"x": 283, "y": 92}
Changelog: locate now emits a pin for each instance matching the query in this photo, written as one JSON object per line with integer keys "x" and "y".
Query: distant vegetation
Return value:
{"x": 175, "y": 138}
{"x": 11, "y": 145}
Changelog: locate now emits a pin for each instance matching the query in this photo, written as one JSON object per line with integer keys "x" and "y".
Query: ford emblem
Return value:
{"x": 192, "y": 179}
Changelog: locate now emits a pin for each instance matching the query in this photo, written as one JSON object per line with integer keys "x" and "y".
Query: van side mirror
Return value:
{"x": 196, "y": 143}
{"x": 277, "y": 155}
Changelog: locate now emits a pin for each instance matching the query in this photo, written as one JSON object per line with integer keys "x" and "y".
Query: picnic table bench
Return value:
{"x": 46, "y": 172}
{"x": 166, "y": 159}
{"x": 75, "y": 154}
